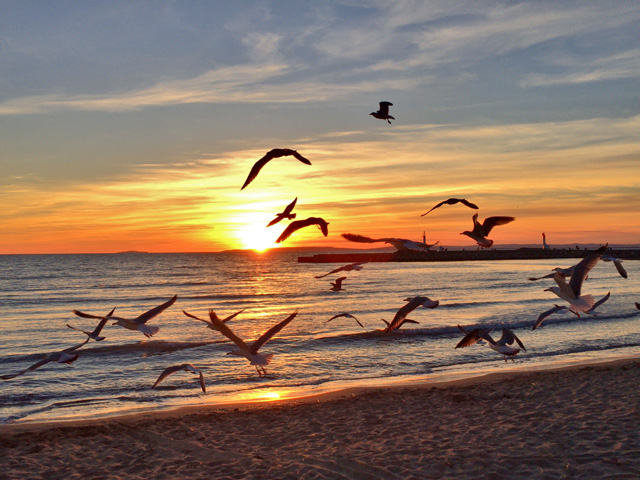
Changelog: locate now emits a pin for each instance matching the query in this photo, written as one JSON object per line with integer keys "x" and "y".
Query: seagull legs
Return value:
{"x": 261, "y": 371}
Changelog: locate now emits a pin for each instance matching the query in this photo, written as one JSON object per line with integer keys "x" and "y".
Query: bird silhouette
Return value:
{"x": 453, "y": 201}
{"x": 298, "y": 224}
{"x": 187, "y": 367}
{"x": 399, "y": 243}
{"x": 285, "y": 214}
{"x": 383, "y": 112}
{"x": 480, "y": 231}
{"x": 337, "y": 285}
{"x": 270, "y": 155}
{"x": 95, "y": 334}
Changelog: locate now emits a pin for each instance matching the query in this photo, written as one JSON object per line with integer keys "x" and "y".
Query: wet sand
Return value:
{"x": 576, "y": 422}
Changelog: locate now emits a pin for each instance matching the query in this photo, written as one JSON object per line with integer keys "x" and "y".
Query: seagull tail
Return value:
{"x": 148, "y": 329}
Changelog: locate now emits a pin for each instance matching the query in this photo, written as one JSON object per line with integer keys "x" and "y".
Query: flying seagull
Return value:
{"x": 617, "y": 263}
{"x": 298, "y": 224}
{"x": 270, "y": 155}
{"x": 401, "y": 315}
{"x": 65, "y": 356}
{"x": 501, "y": 346}
{"x": 187, "y": 367}
{"x": 453, "y": 201}
{"x": 213, "y": 315}
{"x": 572, "y": 292}
{"x": 345, "y": 268}
{"x": 383, "y": 112}
{"x": 337, "y": 285}
{"x": 565, "y": 271}
{"x": 250, "y": 352}
{"x": 285, "y": 214}
{"x": 398, "y": 243}
{"x": 558, "y": 308}
{"x": 346, "y": 315}
{"x": 479, "y": 341}
{"x": 96, "y": 332}
{"x": 480, "y": 231}
{"x": 138, "y": 323}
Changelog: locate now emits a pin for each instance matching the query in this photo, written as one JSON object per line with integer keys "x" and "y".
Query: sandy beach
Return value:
{"x": 576, "y": 422}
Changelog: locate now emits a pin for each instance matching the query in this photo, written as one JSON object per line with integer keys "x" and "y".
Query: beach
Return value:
{"x": 580, "y": 421}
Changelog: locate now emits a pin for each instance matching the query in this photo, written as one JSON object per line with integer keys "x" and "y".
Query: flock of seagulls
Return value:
{"x": 509, "y": 345}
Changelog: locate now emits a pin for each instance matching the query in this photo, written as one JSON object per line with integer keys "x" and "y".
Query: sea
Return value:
{"x": 311, "y": 356}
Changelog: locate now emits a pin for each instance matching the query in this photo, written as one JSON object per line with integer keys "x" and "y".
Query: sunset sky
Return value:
{"x": 132, "y": 125}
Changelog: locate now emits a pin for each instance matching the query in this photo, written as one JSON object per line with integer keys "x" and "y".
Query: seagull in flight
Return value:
{"x": 398, "y": 243}
{"x": 250, "y": 352}
{"x": 572, "y": 292}
{"x": 65, "y": 356}
{"x": 285, "y": 214}
{"x": 138, "y": 323}
{"x": 617, "y": 263}
{"x": 298, "y": 224}
{"x": 213, "y": 315}
{"x": 345, "y": 268}
{"x": 270, "y": 155}
{"x": 187, "y": 367}
{"x": 564, "y": 271}
{"x": 383, "y": 112}
{"x": 453, "y": 201}
{"x": 346, "y": 315}
{"x": 95, "y": 334}
{"x": 501, "y": 346}
{"x": 401, "y": 315}
{"x": 558, "y": 308}
{"x": 480, "y": 231}
{"x": 337, "y": 285}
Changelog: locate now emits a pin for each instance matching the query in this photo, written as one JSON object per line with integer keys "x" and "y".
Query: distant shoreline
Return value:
{"x": 463, "y": 255}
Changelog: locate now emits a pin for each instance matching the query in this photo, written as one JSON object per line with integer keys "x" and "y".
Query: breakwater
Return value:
{"x": 462, "y": 255}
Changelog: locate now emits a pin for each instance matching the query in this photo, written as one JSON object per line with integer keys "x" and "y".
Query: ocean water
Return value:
{"x": 114, "y": 376}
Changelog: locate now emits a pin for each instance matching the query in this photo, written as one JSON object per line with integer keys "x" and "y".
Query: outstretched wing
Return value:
{"x": 598, "y": 303}
{"x": 491, "y": 222}
{"x": 508, "y": 337}
{"x": 255, "y": 170}
{"x": 145, "y": 317}
{"x": 196, "y": 318}
{"x": 168, "y": 371}
{"x": 582, "y": 269}
{"x": 361, "y": 238}
{"x": 298, "y": 224}
{"x": 544, "y": 315}
{"x": 300, "y": 157}
{"x": 473, "y": 337}
{"x": 265, "y": 337}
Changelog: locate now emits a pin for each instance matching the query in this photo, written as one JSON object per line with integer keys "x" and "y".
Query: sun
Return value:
{"x": 258, "y": 237}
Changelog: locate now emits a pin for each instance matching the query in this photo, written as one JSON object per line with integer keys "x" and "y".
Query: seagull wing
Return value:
{"x": 362, "y": 239}
{"x": 301, "y": 158}
{"x": 473, "y": 337}
{"x": 168, "y": 371}
{"x": 491, "y": 222}
{"x": 255, "y": 170}
{"x": 598, "y": 303}
{"x": 582, "y": 269}
{"x": 233, "y": 315}
{"x": 508, "y": 337}
{"x": 101, "y": 325}
{"x": 618, "y": 265}
{"x": 266, "y": 336}
{"x": 437, "y": 206}
{"x": 196, "y": 318}
{"x": 402, "y": 313}
{"x": 145, "y": 317}
{"x": 544, "y": 315}
{"x": 290, "y": 207}
{"x": 298, "y": 224}
{"x": 226, "y": 331}
{"x": 468, "y": 204}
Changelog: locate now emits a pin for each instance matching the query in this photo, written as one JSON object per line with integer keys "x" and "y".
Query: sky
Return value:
{"x": 131, "y": 125}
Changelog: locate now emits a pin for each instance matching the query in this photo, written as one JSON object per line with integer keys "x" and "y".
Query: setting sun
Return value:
{"x": 255, "y": 236}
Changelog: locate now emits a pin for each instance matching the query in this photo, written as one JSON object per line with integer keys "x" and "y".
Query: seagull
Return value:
{"x": 564, "y": 271}
{"x": 96, "y": 332}
{"x": 617, "y": 263}
{"x": 480, "y": 232}
{"x": 286, "y": 214}
{"x": 558, "y": 308}
{"x": 479, "y": 341}
{"x": 453, "y": 201}
{"x": 347, "y": 315}
{"x": 251, "y": 352}
{"x": 383, "y": 112}
{"x": 270, "y": 155}
{"x": 501, "y": 346}
{"x": 187, "y": 367}
{"x": 398, "y": 243}
{"x": 65, "y": 356}
{"x": 346, "y": 268}
{"x": 401, "y": 315}
{"x": 571, "y": 292}
{"x": 138, "y": 323}
{"x": 213, "y": 315}
{"x": 337, "y": 285}
{"x": 298, "y": 224}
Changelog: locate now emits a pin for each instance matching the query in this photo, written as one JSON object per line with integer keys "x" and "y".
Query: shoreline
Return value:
{"x": 576, "y": 421}
{"x": 446, "y": 380}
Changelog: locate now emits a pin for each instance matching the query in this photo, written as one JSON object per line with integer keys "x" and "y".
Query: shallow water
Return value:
{"x": 112, "y": 377}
